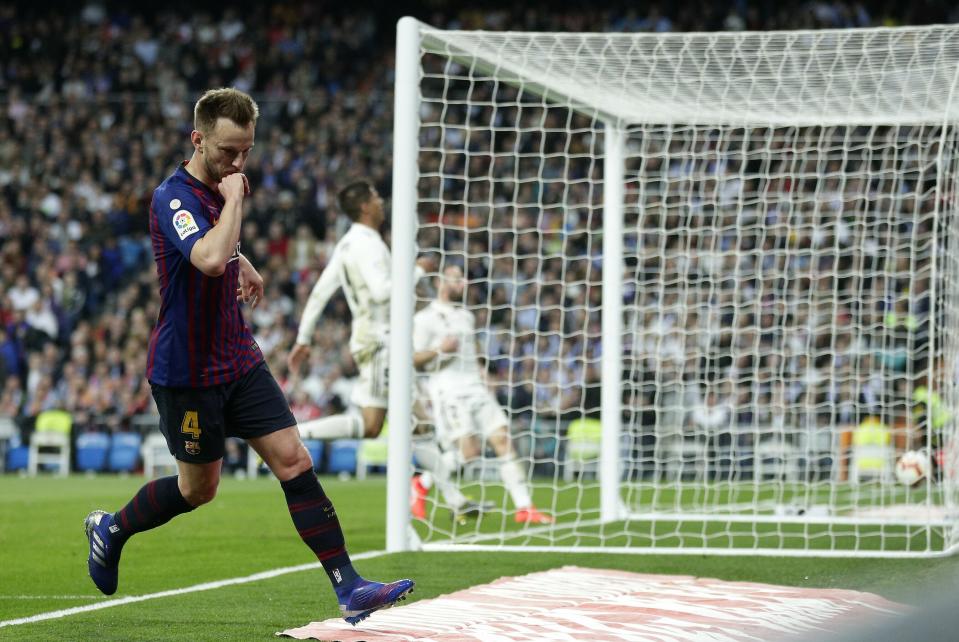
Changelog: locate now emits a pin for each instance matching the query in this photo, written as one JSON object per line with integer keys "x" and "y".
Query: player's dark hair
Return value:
{"x": 225, "y": 102}
{"x": 353, "y": 197}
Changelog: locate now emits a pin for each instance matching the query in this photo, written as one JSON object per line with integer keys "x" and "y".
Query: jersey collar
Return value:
{"x": 444, "y": 305}
{"x": 365, "y": 229}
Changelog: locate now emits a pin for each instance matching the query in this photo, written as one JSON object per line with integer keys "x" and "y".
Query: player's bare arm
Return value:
{"x": 298, "y": 355}
{"x": 212, "y": 252}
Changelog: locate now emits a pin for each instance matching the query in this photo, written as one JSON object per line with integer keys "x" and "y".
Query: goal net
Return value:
{"x": 713, "y": 278}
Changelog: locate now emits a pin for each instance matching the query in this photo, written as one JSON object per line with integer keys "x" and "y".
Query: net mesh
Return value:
{"x": 788, "y": 280}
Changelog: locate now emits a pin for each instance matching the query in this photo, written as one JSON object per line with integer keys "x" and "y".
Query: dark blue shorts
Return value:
{"x": 197, "y": 421}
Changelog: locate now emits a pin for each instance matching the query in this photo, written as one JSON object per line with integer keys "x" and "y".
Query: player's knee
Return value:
{"x": 500, "y": 441}
{"x": 303, "y": 461}
{"x": 289, "y": 464}
{"x": 197, "y": 494}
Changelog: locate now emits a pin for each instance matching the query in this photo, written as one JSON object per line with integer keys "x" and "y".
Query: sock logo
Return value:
{"x": 337, "y": 576}
{"x": 114, "y": 529}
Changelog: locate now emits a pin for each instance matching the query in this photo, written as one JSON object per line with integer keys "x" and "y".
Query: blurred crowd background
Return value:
{"x": 96, "y": 105}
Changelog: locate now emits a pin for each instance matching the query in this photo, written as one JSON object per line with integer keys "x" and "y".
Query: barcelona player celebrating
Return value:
{"x": 207, "y": 373}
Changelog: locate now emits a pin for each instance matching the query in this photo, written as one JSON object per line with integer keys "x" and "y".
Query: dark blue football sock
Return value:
{"x": 156, "y": 503}
{"x": 315, "y": 520}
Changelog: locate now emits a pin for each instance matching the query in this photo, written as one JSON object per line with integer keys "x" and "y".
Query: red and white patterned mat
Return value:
{"x": 574, "y": 603}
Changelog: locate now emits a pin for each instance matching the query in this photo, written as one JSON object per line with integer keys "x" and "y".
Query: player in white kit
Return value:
{"x": 464, "y": 410}
{"x": 360, "y": 264}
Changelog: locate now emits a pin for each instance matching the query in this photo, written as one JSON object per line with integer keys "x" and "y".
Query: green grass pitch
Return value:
{"x": 247, "y": 530}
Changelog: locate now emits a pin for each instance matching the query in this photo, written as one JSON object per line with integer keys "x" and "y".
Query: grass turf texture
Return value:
{"x": 247, "y": 529}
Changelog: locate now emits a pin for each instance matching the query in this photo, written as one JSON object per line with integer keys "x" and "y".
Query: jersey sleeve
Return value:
{"x": 178, "y": 215}
{"x": 324, "y": 288}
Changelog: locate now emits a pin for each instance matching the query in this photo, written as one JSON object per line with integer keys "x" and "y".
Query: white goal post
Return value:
{"x": 714, "y": 281}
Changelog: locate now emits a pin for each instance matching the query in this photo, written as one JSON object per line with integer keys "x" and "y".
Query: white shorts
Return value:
{"x": 372, "y": 386}
{"x": 469, "y": 411}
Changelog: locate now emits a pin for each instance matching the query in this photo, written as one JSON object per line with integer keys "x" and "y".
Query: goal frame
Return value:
{"x": 400, "y": 535}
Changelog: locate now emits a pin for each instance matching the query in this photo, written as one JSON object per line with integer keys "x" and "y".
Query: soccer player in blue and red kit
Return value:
{"x": 208, "y": 376}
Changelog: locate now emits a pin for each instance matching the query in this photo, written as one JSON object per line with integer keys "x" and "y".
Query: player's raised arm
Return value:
{"x": 211, "y": 253}
{"x": 328, "y": 283}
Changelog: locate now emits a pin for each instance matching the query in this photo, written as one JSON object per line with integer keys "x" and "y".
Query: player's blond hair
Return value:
{"x": 225, "y": 102}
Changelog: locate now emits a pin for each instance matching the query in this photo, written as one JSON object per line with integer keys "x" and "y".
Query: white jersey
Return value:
{"x": 457, "y": 369}
{"x": 360, "y": 264}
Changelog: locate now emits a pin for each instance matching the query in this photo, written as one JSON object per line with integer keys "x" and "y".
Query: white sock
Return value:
{"x": 426, "y": 479}
{"x": 335, "y": 427}
{"x": 435, "y": 463}
{"x": 451, "y": 460}
{"x": 515, "y": 481}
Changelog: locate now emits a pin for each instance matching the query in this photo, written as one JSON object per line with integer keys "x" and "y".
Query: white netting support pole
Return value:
{"x": 405, "y": 153}
{"x": 611, "y": 415}
{"x": 946, "y": 188}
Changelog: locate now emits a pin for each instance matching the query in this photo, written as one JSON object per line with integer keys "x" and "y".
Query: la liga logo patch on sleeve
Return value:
{"x": 184, "y": 224}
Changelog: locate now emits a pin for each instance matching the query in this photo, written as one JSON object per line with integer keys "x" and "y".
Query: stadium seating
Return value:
{"x": 124, "y": 452}
{"x": 776, "y": 459}
{"x": 372, "y": 453}
{"x": 684, "y": 457}
{"x": 156, "y": 455}
{"x": 582, "y": 448}
{"x": 873, "y": 453}
{"x": 50, "y": 443}
{"x": 343, "y": 456}
{"x": 17, "y": 458}
{"x": 254, "y": 464}
{"x": 8, "y": 430}
{"x": 315, "y": 448}
{"x": 92, "y": 450}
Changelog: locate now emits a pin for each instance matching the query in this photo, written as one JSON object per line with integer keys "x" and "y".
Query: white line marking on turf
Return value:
{"x": 206, "y": 586}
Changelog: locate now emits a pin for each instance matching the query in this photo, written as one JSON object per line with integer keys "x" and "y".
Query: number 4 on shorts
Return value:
{"x": 191, "y": 424}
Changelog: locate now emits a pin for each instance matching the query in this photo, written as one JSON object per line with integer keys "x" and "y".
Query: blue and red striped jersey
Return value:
{"x": 200, "y": 338}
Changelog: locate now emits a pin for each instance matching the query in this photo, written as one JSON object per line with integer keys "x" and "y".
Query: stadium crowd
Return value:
{"x": 96, "y": 111}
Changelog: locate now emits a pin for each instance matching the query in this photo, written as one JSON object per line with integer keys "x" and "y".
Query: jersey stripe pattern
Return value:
{"x": 200, "y": 338}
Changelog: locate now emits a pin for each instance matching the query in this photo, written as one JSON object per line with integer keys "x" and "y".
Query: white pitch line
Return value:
{"x": 206, "y": 586}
